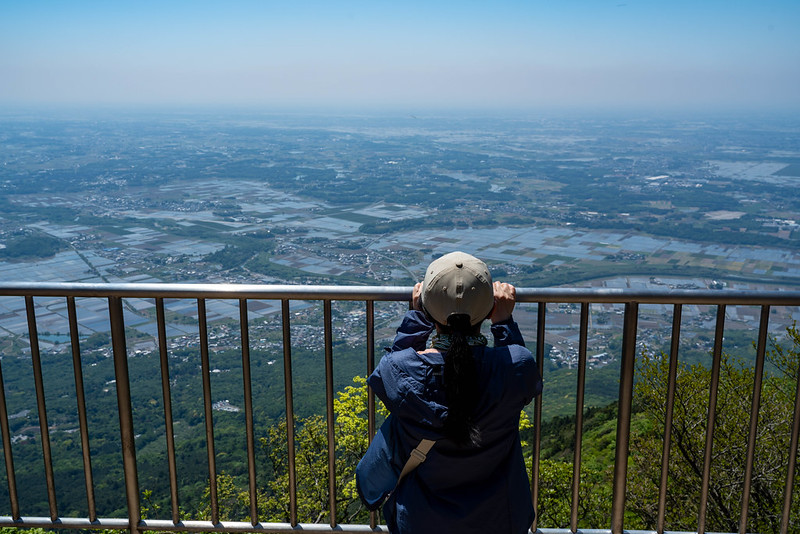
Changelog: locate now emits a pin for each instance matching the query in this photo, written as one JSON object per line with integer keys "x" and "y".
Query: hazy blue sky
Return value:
{"x": 533, "y": 54}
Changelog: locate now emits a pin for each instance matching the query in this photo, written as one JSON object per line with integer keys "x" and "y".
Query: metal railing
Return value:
{"x": 114, "y": 293}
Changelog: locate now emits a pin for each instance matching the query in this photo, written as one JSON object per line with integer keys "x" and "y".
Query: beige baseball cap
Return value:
{"x": 457, "y": 283}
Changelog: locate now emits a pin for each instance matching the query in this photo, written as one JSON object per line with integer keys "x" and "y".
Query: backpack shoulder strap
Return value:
{"x": 418, "y": 455}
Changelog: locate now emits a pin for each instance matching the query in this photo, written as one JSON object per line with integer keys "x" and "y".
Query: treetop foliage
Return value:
{"x": 731, "y": 430}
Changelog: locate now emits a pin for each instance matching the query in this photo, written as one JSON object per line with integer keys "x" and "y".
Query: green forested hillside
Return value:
{"x": 148, "y": 408}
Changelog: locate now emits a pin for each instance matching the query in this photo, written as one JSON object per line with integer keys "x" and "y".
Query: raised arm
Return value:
{"x": 413, "y": 332}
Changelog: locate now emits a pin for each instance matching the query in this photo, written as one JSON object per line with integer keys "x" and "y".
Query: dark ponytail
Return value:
{"x": 460, "y": 383}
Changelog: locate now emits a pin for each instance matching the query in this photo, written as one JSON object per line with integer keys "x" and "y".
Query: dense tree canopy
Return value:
{"x": 731, "y": 430}
{"x": 31, "y": 246}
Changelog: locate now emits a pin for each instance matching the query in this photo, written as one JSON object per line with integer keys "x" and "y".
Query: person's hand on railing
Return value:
{"x": 505, "y": 297}
{"x": 416, "y": 294}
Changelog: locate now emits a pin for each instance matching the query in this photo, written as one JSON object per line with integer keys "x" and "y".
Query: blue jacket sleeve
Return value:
{"x": 507, "y": 333}
{"x": 377, "y": 472}
{"x": 413, "y": 332}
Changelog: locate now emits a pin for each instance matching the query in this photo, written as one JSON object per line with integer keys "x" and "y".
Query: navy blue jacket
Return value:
{"x": 459, "y": 488}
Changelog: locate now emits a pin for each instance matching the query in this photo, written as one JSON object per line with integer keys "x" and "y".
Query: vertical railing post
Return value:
{"x": 289, "y": 398}
{"x": 330, "y": 416}
{"x": 123, "y": 388}
{"x": 370, "y": 325}
{"x": 537, "y": 414}
{"x": 719, "y": 332}
{"x": 665, "y": 452}
{"x": 624, "y": 416}
{"x": 205, "y": 367}
{"x": 44, "y": 430}
{"x": 247, "y": 384}
{"x": 761, "y": 349}
{"x": 166, "y": 395}
{"x": 576, "y": 460}
{"x": 81, "y": 401}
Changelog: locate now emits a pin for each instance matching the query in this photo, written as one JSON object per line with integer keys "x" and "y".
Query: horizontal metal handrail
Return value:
{"x": 237, "y": 526}
{"x": 368, "y": 294}
{"x": 394, "y": 293}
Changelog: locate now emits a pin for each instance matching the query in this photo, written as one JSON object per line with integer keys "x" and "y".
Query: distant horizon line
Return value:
{"x": 403, "y": 111}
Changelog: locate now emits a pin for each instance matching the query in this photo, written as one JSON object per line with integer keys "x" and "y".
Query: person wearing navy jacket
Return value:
{"x": 442, "y": 382}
